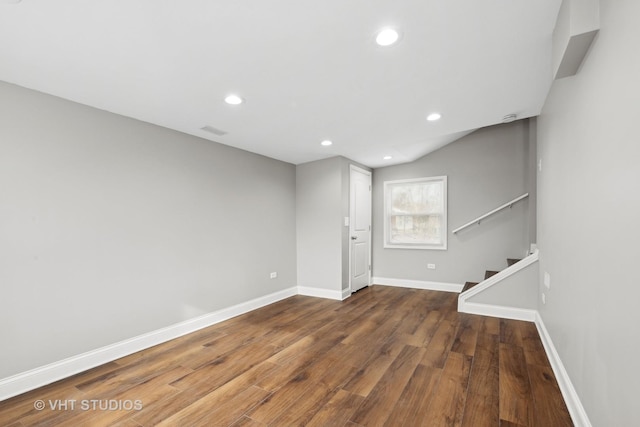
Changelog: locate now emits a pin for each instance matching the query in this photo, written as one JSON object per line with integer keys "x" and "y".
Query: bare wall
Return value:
{"x": 485, "y": 169}
{"x": 588, "y": 211}
{"x": 319, "y": 210}
{"x": 111, "y": 227}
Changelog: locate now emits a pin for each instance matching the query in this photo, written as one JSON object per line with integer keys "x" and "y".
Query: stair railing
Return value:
{"x": 488, "y": 214}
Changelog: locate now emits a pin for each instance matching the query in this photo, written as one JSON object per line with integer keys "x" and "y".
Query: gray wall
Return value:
{"x": 110, "y": 228}
{"x": 531, "y": 182}
{"x": 485, "y": 170}
{"x": 345, "y": 172}
{"x": 588, "y": 212}
{"x": 319, "y": 208}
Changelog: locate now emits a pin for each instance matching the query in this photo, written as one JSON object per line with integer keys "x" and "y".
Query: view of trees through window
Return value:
{"x": 416, "y": 212}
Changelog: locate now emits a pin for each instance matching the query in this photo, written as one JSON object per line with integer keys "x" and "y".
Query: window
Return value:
{"x": 416, "y": 213}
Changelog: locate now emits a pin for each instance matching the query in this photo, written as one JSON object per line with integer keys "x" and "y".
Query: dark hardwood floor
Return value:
{"x": 385, "y": 356}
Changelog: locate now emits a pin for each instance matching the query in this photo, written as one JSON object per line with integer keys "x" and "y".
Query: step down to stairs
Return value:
{"x": 488, "y": 274}
{"x": 468, "y": 286}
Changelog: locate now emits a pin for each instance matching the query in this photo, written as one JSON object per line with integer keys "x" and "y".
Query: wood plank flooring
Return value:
{"x": 384, "y": 357}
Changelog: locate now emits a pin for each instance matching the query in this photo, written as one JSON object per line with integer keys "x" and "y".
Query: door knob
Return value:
{"x": 354, "y": 237}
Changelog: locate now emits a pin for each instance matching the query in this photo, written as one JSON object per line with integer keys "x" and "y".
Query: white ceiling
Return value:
{"x": 308, "y": 70}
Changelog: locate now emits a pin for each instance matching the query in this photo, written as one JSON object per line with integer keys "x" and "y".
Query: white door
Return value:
{"x": 360, "y": 228}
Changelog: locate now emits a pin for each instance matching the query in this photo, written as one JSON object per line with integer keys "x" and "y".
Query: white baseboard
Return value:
{"x": 346, "y": 293}
{"x": 571, "y": 398}
{"x": 320, "y": 293}
{"x": 38, "y": 377}
{"x": 26, "y": 381}
{"x": 498, "y": 311}
{"x": 418, "y": 284}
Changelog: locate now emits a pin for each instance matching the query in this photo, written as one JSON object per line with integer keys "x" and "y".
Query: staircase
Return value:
{"x": 489, "y": 273}
{"x": 513, "y": 294}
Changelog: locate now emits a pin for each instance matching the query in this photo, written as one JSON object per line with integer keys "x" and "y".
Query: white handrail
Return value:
{"x": 480, "y": 218}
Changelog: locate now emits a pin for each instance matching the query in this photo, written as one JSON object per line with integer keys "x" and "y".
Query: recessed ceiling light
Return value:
{"x": 387, "y": 158}
{"x": 326, "y": 143}
{"x": 387, "y": 37}
{"x": 233, "y": 100}
{"x": 433, "y": 117}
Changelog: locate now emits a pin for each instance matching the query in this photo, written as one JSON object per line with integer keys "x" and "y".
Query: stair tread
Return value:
{"x": 490, "y": 273}
{"x": 468, "y": 285}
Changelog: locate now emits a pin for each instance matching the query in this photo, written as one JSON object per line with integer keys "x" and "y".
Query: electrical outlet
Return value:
{"x": 544, "y": 298}
{"x": 431, "y": 266}
{"x": 540, "y": 165}
{"x": 273, "y": 275}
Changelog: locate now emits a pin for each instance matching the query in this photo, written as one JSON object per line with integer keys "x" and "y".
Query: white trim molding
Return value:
{"x": 491, "y": 310}
{"x": 418, "y": 284}
{"x": 571, "y": 398}
{"x": 41, "y": 376}
{"x": 320, "y": 293}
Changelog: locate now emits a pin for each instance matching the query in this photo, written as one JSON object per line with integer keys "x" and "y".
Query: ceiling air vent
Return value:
{"x": 213, "y": 130}
{"x": 509, "y": 118}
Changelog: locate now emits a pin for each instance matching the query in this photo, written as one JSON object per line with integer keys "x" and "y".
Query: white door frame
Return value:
{"x": 353, "y": 168}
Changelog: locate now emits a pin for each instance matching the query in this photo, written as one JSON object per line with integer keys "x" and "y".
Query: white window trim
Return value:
{"x": 387, "y": 208}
